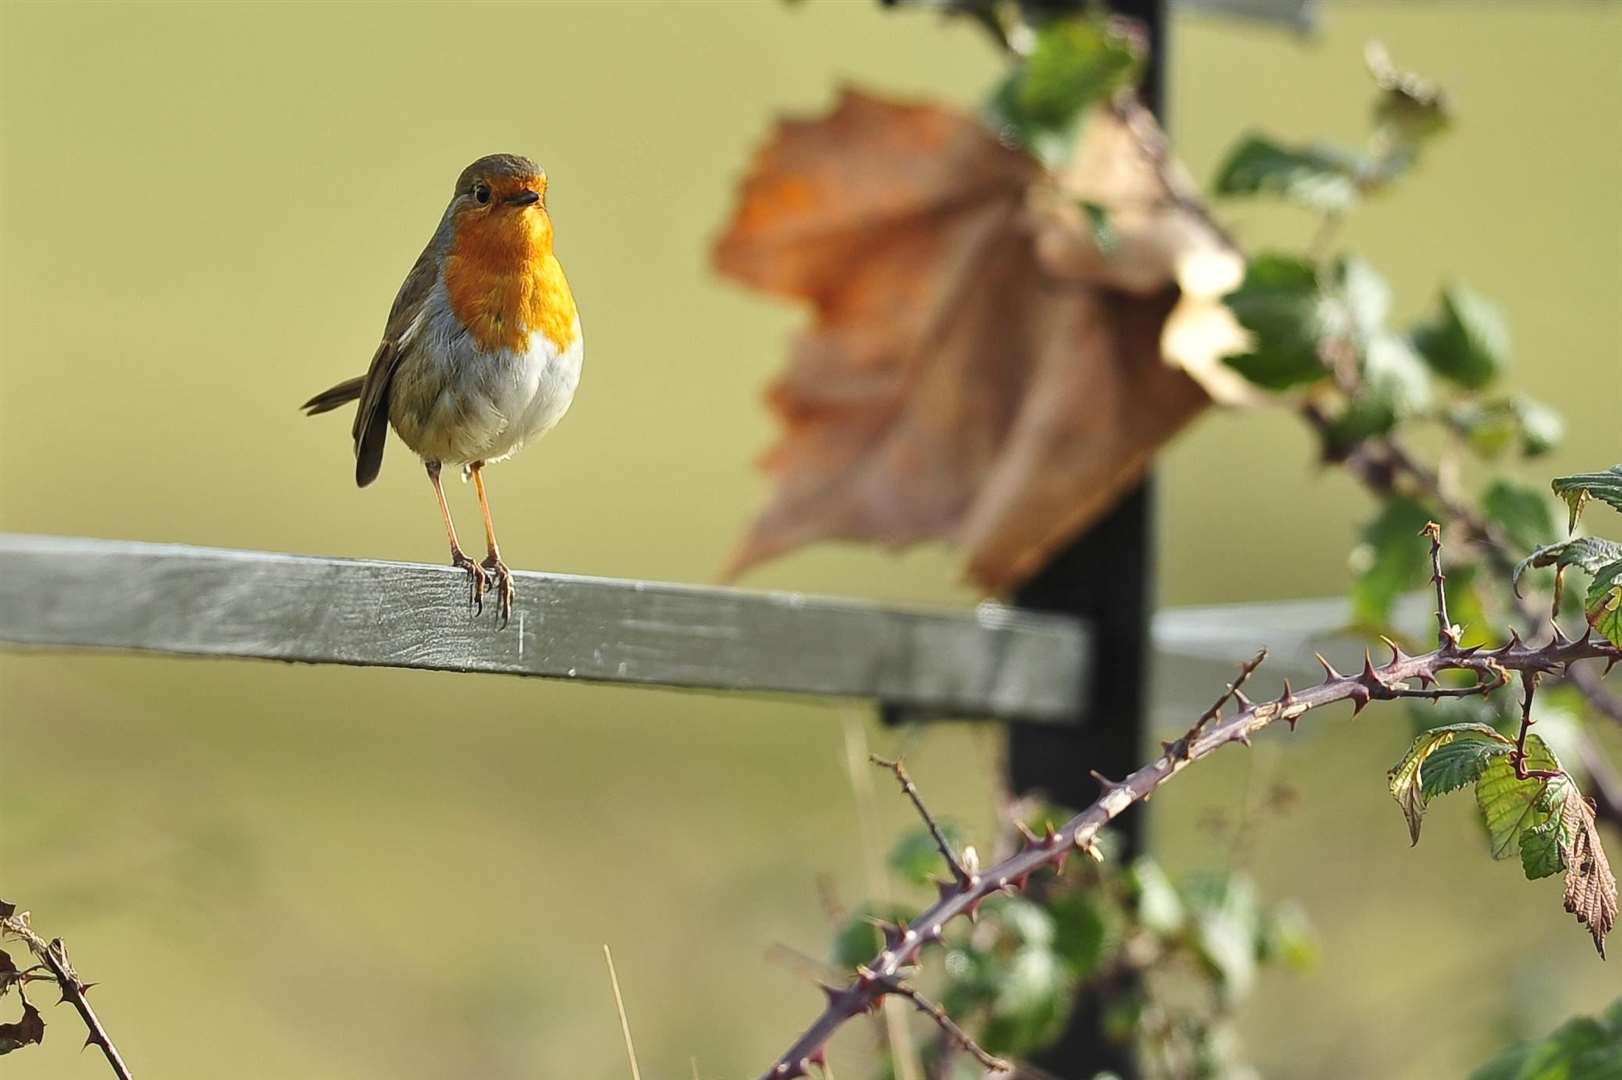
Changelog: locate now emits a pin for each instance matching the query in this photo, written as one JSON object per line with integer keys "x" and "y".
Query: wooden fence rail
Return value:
{"x": 993, "y": 661}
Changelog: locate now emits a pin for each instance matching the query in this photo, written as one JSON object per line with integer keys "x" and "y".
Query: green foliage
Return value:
{"x": 1467, "y": 340}
{"x": 1604, "y": 602}
{"x": 859, "y": 936}
{"x": 1075, "y": 64}
{"x": 1388, "y": 561}
{"x": 1511, "y": 806}
{"x": 916, "y": 858}
{"x": 1584, "y": 1048}
{"x": 1279, "y": 302}
{"x": 1321, "y": 178}
{"x": 1577, "y": 490}
{"x": 1442, "y": 760}
{"x": 1523, "y": 512}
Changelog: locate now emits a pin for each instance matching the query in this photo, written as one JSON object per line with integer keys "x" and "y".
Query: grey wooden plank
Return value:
{"x": 73, "y": 592}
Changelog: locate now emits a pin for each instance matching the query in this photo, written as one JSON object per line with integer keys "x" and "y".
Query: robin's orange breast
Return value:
{"x": 504, "y": 282}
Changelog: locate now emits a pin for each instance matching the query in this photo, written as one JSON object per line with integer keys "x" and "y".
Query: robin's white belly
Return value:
{"x": 453, "y": 404}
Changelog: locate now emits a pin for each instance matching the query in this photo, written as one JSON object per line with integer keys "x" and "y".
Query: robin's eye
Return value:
{"x": 481, "y": 193}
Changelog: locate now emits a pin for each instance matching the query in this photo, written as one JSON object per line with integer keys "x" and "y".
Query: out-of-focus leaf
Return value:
{"x": 1388, "y": 562}
{"x": 1074, "y": 64}
{"x": 1589, "y": 554}
{"x": 1409, "y": 110}
{"x": 1082, "y": 933}
{"x": 1590, "y": 885}
{"x": 1523, "y": 512}
{"x": 1028, "y": 922}
{"x": 916, "y": 858}
{"x": 1160, "y": 910}
{"x": 858, "y": 940}
{"x": 1033, "y": 1001}
{"x": 1542, "y": 428}
{"x": 1441, "y": 760}
{"x": 1280, "y": 304}
{"x": 961, "y": 381}
{"x": 1603, "y": 605}
{"x": 1288, "y": 938}
{"x": 1583, "y": 1048}
{"x": 1467, "y": 341}
{"x": 1511, "y": 806}
{"x": 1321, "y": 178}
{"x": 27, "y": 1031}
{"x": 1576, "y": 490}
{"x": 1227, "y": 926}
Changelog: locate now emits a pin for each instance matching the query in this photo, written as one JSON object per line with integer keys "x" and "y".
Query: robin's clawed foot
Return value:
{"x": 478, "y": 580}
{"x": 503, "y": 584}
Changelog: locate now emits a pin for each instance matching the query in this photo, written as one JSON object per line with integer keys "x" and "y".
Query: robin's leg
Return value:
{"x": 477, "y": 579}
{"x": 492, "y": 561}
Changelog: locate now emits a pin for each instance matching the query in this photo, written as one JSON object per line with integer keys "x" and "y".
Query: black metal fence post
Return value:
{"x": 1105, "y": 577}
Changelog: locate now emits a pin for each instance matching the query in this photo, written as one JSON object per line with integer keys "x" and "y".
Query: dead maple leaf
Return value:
{"x": 1590, "y": 885}
{"x": 982, "y": 367}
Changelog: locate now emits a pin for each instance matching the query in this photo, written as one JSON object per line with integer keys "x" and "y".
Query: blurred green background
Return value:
{"x": 276, "y": 871}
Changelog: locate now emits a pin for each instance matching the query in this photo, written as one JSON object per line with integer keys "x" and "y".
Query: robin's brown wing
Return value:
{"x": 372, "y": 417}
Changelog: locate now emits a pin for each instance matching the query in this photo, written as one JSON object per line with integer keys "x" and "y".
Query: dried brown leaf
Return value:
{"x": 24, "y": 1032}
{"x": 1590, "y": 884}
{"x": 976, "y": 371}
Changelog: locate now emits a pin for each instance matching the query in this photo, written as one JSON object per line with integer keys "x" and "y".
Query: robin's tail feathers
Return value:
{"x": 327, "y": 400}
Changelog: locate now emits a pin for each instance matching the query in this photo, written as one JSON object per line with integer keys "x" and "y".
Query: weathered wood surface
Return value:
{"x": 994, "y": 661}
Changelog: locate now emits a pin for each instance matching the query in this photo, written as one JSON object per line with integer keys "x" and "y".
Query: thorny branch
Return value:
{"x": 883, "y": 974}
{"x": 54, "y": 956}
{"x": 959, "y": 873}
{"x": 1385, "y": 466}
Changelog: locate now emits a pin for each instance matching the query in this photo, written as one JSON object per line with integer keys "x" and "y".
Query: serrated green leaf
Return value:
{"x": 1525, "y": 513}
{"x": 1441, "y": 760}
{"x": 1511, "y": 806}
{"x": 1603, "y": 605}
{"x": 1576, "y": 490}
{"x": 1540, "y": 850}
{"x": 1320, "y": 178}
{"x": 1390, "y": 561}
{"x": 916, "y": 858}
{"x": 1280, "y": 304}
{"x": 1468, "y": 340}
{"x": 1587, "y": 553}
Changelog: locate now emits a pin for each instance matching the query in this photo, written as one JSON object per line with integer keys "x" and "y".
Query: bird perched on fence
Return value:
{"x": 481, "y": 351}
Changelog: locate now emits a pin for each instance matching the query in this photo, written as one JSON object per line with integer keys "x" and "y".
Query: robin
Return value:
{"x": 481, "y": 351}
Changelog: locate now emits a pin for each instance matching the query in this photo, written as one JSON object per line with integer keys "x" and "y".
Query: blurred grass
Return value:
{"x": 204, "y": 213}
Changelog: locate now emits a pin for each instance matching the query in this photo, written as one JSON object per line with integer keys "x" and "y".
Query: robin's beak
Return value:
{"x": 524, "y": 198}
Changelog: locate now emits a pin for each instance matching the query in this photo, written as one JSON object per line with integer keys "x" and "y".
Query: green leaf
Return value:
{"x": 1441, "y": 760}
{"x": 1032, "y": 1002}
{"x": 1583, "y": 1048}
{"x": 1588, "y": 553}
{"x": 1524, "y": 512}
{"x": 1228, "y": 930}
{"x": 1320, "y": 178}
{"x": 1604, "y": 602}
{"x": 1540, "y": 850}
{"x": 1288, "y": 938}
{"x": 1074, "y": 64}
{"x": 1511, "y": 806}
{"x": 1578, "y": 489}
{"x": 1468, "y": 340}
{"x": 858, "y": 940}
{"x": 1395, "y": 374}
{"x": 1280, "y": 304}
{"x": 1390, "y": 561}
{"x": 1160, "y": 910}
{"x": 1542, "y": 428}
{"x": 1082, "y": 931}
{"x": 916, "y": 858}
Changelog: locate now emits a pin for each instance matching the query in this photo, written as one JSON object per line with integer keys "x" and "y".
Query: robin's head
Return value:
{"x": 500, "y": 203}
